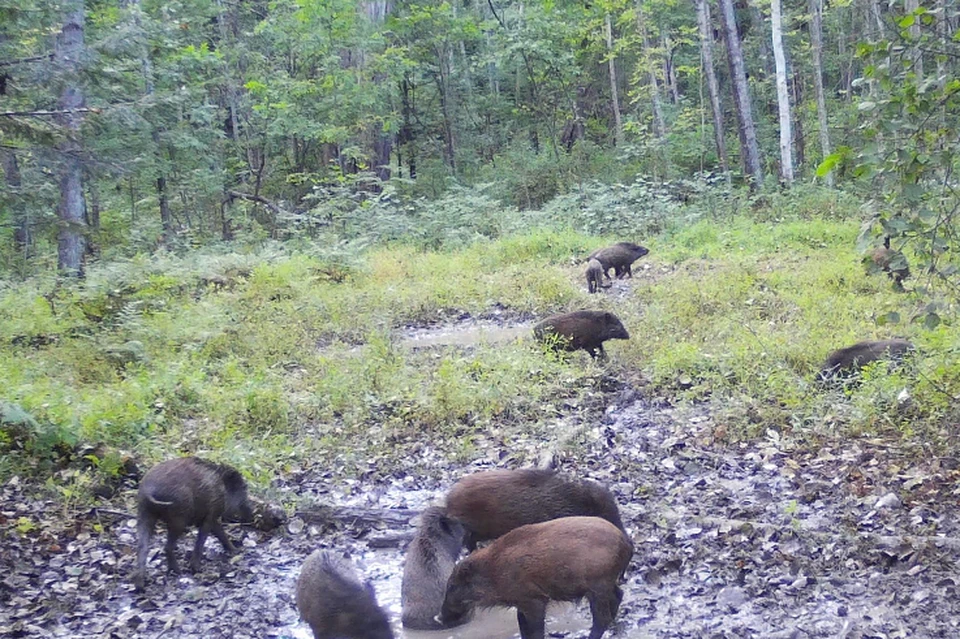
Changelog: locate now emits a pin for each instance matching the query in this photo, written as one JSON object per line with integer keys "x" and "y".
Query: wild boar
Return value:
{"x": 560, "y": 560}
{"x": 494, "y": 502}
{"x": 429, "y": 561}
{"x": 335, "y": 604}
{"x": 595, "y": 276}
{"x": 586, "y": 330}
{"x": 620, "y": 257}
{"x": 890, "y": 261}
{"x": 847, "y": 361}
{"x": 188, "y": 492}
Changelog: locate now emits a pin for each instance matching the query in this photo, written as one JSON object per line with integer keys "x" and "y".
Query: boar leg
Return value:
{"x": 532, "y": 621}
{"x": 221, "y": 535}
{"x": 603, "y": 608}
{"x": 174, "y": 530}
{"x": 198, "y": 547}
{"x": 144, "y": 534}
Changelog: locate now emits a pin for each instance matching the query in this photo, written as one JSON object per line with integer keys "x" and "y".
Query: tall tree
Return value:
{"x": 713, "y": 88}
{"x": 816, "y": 46}
{"x": 749, "y": 149}
{"x": 614, "y": 93}
{"x": 783, "y": 96}
{"x": 21, "y": 223}
{"x": 72, "y": 209}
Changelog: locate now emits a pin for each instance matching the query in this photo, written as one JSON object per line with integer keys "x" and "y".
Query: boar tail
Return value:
{"x": 159, "y": 503}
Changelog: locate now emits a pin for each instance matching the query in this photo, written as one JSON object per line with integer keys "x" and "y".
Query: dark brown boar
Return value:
{"x": 586, "y": 330}
{"x": 429, "y": 561}
{"x": 845, "y": 362}
{"x": 335, "y": 604}
{"x": 188, "y": 492}
{"x": 890, "y": 261}
{"x": 619, "y": 257}
{"x": 560, "y": 560}
{"x": 494, "y": 502}
{"x": 595, "y": 276}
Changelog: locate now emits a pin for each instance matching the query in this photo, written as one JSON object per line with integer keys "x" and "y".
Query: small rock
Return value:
{"x": 732, "y": 597}
{"x": 889, "y": 500}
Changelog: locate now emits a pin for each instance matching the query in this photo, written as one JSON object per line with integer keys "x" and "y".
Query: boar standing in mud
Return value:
{"x": 188, "y": 492}
{"x": 429, "y": 561}
{"x": 560, "y": 560}
{"x": 595, "y": 276}
{"x": 586, "y": 330}
{"x": 847, "y": 361}
{"x": 890, "y": 261}
{"x": 494, "y": 502}
{"x": 619, "y": 257}
{"x": 335, "y": 604}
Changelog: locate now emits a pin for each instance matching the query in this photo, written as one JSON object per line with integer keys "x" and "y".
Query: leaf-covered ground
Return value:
{"x": 768, "y": 539}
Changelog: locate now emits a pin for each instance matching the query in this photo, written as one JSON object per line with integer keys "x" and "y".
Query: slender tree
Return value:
{"x": 783, "y": 96}
{"x": 72, "y": 208}
{"x": 614, "y": 93}
{"x": 816, "y": 46}
{"x": 713, "y": 88}
{"x": 749, "y": 150}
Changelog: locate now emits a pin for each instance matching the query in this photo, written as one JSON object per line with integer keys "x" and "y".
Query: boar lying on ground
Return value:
{"x": 847, "y": 361}
{"x": 335, "y": 604}
{"x": 890, "y": 261}
{"x": 595, "y": 276}
{"x": 188, "y": 492}
{"x": 429, "y": 560}
{"x": 586, "y": 330}
{"x": 619, "y": 257}
{"x": 494, "y": 502}
{"x": 560, "y": 560}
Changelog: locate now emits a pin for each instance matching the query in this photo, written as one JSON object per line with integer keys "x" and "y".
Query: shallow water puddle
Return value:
{"x": 385, "y": 570}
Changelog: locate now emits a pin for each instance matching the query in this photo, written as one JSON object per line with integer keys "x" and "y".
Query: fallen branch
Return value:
{"x": 43, "y": 114}
{"x": 36, "y": 58}
{"x": 362, "y": 517}
{"x": 237, "y": 195}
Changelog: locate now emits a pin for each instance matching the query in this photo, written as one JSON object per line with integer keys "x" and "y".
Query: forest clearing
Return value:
{"x": 478, "y": 320}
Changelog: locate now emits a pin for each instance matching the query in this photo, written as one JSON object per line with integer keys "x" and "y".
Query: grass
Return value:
{"x": 271, "y": 358}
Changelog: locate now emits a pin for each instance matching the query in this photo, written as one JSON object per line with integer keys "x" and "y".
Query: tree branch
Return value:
{"x": 234, "y": 195}
{"x": 42, "y": 114}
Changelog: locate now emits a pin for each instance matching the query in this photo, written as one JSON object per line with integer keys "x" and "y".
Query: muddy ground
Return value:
{"x": 767, "y": 539}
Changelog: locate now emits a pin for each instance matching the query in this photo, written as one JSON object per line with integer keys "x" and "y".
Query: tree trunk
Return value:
{"x": 741, "y": 97}
{"x": 796, "y": 95}
{"x": 614, "y": 94}
{"x": 816, "y": 45}
{"x": 22, "y": 238}
{"x": 72, "y": 208}
{"x": 446, "y": 109}
{"x": 916, "y": 54}
{"x": 706, "y": 52}
{"x": 783, "y": 95}
{"x": 659, "y": 125}
{"x": 669, "y": 71}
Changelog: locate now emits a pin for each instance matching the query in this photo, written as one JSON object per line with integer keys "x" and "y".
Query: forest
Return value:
{"x": 317, "y": 241}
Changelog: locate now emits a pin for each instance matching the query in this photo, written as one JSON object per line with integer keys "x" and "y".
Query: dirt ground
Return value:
{"x": 767, "y": 539}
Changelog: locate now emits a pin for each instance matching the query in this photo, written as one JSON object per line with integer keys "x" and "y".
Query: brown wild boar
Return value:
{"x": 429, "y": 560}
{"x": 188, "y": 492}
{"x": 620, "y": 257}
{"x": 494, "y": 502}
{"x": 335, "y": 604}
{"x": 586, "y": 330}
{"x": 847, "y": 361}
{"x": 890, "y": 261}
{"x": 595, "y": 276}
{"x": 560, "y": 560}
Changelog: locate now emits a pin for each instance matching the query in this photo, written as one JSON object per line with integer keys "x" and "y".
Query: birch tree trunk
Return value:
{"x": 614, "y": 93}
{"x": 749, "y": 150}
{"x": 816, "y": 45}
{"x": 72, "y": 208}
{"x": 783, "y": 95}
{"x": 909, "y": 6}
{"x": 706, "y": 52}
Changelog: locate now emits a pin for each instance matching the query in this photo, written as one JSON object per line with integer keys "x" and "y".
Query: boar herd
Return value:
{"x": 550, "y": 538}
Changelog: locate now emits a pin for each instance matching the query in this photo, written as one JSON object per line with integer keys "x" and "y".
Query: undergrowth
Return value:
{"x": 295, "y": 352}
